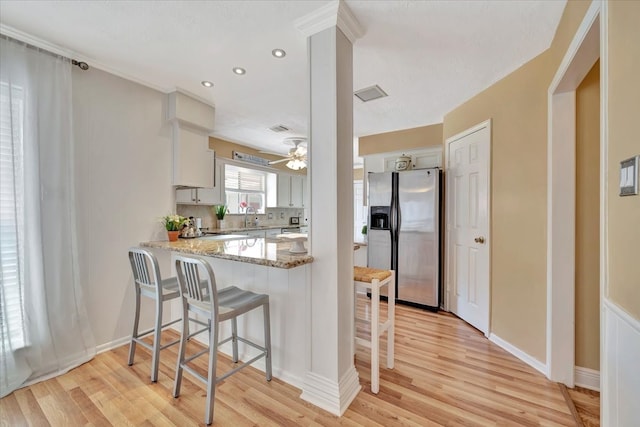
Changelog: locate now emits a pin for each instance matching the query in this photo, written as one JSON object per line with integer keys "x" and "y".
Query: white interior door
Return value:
{"x": 468, "y": 292}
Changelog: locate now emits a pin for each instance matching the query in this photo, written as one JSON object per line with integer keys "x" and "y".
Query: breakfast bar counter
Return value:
{"x": 252, "y": 250}
{"x": 264, "y": 266}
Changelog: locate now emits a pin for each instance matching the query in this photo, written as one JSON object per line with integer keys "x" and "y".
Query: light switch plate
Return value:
{"x": 629, "y": 176}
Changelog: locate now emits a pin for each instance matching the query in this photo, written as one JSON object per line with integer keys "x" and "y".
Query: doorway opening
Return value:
{"x": 581, "y": 55}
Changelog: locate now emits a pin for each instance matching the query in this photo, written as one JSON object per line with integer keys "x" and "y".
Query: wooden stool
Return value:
{"x": 372, "y": 280}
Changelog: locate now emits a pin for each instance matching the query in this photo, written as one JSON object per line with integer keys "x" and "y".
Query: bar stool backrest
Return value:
{"x": 144, "y": 276}
{"x": 188, "y": 271}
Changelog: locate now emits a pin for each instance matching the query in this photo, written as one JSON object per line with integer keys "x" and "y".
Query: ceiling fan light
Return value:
{"x": 296, "y": 164}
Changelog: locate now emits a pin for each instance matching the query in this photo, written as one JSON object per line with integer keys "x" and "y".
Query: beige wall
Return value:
{"x": 624, "y": 212}
{"x": 225, "y": 150}
{"x": 517, "y": 106}
{"x": 358, "y": 174}
{"x": 122, "y": 173}
{"x": 406, "y": 139}
{"x": 588, "y": 220}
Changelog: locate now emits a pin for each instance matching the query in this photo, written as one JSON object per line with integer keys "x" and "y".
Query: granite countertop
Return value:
{"x": 240, "y": 229}
{"x": 253, "y": 250}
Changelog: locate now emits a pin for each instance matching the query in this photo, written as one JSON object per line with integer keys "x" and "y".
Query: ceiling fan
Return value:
{"x": 297, "y": 157}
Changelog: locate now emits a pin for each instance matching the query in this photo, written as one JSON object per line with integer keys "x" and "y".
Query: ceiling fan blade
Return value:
{"x": 273, "y": 153}
{"x": 273, "y": 162}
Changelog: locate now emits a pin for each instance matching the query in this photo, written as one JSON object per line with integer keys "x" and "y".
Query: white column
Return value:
{"x": 331, "y": 381}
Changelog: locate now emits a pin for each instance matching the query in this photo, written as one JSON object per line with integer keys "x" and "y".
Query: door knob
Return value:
{"x": 479, "y": 240}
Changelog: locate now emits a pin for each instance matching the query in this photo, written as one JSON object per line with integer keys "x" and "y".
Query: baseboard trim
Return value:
{"x": 623, "y": 315}
{"x": 112, "y": 344}
{"x": 331, "y": 396}
{"x": 587, "y": 378}
{"x": 526, "y": 358}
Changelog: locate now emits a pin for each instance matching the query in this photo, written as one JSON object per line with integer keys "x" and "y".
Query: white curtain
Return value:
{"x": 44, "y": 325}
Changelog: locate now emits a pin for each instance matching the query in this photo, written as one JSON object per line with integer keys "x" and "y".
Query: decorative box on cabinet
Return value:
{"x": 192, "y": 121}
{"x": 203, "y": 196}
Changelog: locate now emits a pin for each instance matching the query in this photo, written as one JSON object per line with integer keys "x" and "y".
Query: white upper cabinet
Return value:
{"x": 291, "y": 191}
{"x": 193, "y": 161}
{"x": 192, "y": 121}
{"x": 386, "y": 162}
{"x": 204, "y": 196}
{"x": 305, "y": 193}
{"x": 297, "y": 191}
{"x": 284, "y": 190}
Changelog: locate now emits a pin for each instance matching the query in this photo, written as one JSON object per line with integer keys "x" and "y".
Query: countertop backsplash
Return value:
{"x": 274, "y": 216}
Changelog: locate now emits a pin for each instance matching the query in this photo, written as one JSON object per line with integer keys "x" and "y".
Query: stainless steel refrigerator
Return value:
{"x": 404, "y": 232}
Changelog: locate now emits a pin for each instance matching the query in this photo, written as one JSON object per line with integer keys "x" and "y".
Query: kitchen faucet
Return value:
{"x": 246, "y": 212}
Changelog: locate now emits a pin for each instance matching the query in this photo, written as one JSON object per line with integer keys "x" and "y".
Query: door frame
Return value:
{"x": 447, "y": 260}
{"x": 586, "y": 47}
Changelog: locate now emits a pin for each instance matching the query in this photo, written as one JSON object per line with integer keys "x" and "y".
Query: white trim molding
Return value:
{"x": 59, "y": 50}
{"x": 334, "y": 14}
{"x": 582, "y": 53}
{"x": 587, "y": 378}
{"x": 108, "y": 346}
{"x": 619, "y": 364}
{"x": 526, "y": 358}
{"x": 332, "y": 397}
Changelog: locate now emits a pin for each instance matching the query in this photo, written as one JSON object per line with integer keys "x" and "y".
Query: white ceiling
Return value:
{"x": 429, "y": 56}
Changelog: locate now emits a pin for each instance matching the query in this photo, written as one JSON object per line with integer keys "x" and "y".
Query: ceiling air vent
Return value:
{"x": 370, "y": 93}
{"x": 279, "y": 128}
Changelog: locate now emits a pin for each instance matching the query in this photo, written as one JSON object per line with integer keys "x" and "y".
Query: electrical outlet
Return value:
{"x": 270, "y": 216}
{"x": 281, "y": 215}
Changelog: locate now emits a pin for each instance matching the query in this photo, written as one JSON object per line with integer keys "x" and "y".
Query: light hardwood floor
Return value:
{"x": 446, "y": 373}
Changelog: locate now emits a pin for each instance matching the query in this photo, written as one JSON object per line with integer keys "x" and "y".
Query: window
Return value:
{"x": 244, "y": 185}
{"x": 11, "y": 217}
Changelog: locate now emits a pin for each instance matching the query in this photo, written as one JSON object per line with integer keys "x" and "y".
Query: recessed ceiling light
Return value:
{"x": 239, "y": 71}
{"x": 207, "y": 83}
{"x": 279, "y": 53}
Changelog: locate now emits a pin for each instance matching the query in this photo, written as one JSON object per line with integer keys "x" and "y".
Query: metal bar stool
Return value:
{"x": 372, "y": 279}
{"x": 202, "y": 298}
{"x": 149, "y": 283}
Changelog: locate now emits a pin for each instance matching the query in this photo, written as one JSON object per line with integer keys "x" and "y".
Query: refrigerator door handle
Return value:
{"x": 394, "y": 232}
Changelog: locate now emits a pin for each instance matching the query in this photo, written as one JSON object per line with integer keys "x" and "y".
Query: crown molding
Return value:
{"x": 14, "y": 33}
{"x": 71, "y": 54}
{"x": 334, "y": 14}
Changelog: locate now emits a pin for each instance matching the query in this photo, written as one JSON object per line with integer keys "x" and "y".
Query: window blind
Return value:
{"x": 244, "y": 180}
{"x": 11, "y": 216}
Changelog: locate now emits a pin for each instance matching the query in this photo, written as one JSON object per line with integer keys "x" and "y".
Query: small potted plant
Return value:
{"x": 220, "y": 211}
{"x": 364, "y": 233}
{"x": 173, "y": 224}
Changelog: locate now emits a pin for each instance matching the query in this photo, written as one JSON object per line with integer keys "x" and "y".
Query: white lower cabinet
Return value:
{"x": 253, "y": 233}
{"x": 273, "y": 233}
